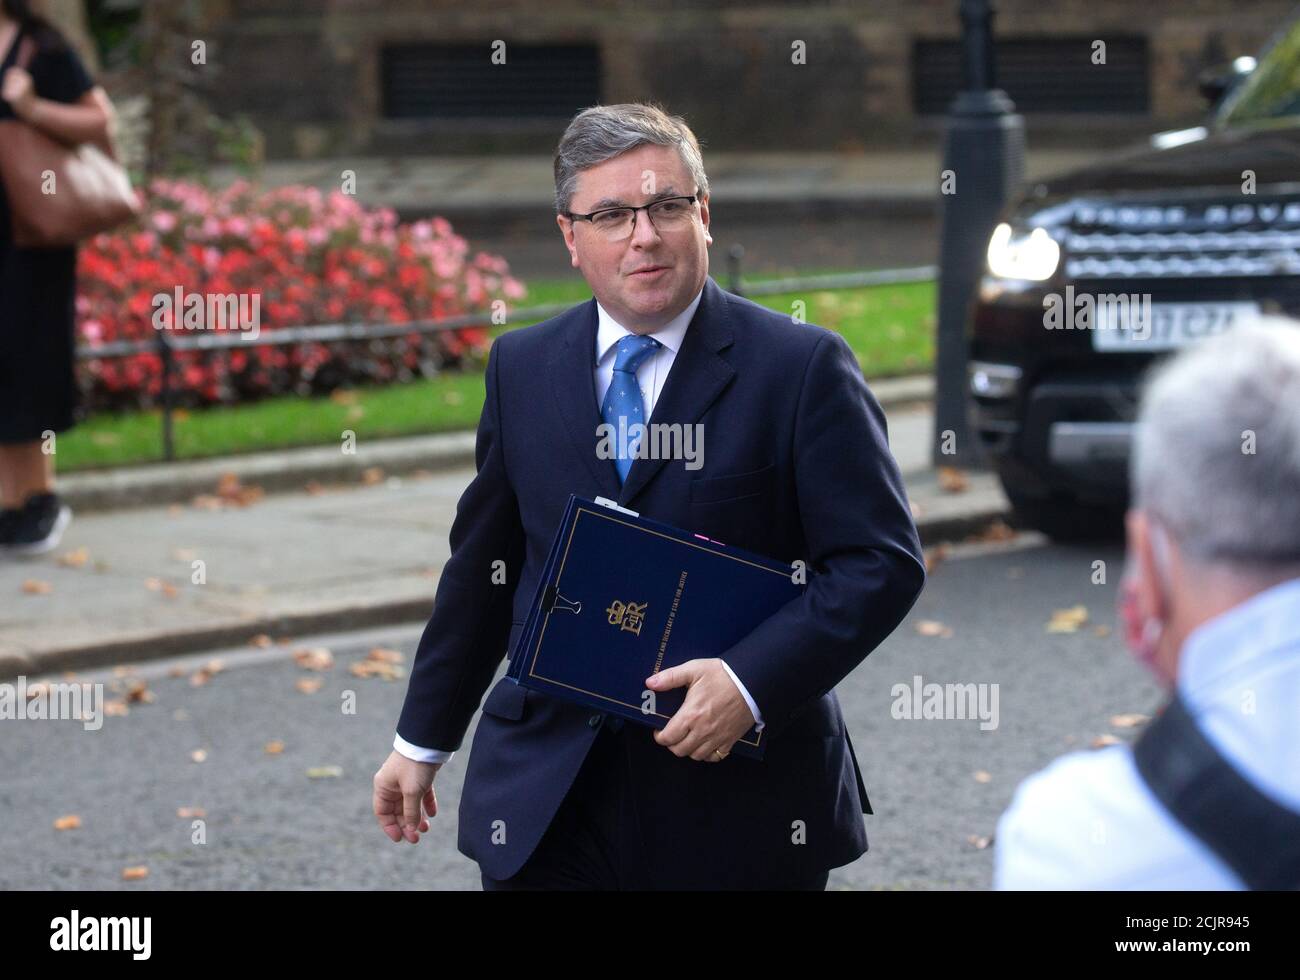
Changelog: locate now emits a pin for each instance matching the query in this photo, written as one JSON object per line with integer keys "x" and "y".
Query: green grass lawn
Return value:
{"x": 890, "y": 328}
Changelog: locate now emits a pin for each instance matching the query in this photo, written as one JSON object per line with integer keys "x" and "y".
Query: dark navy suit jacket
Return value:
{"x": 796, "y": 466}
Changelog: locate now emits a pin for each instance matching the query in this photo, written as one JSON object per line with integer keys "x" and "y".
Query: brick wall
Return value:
{"x": 308, "y": 71}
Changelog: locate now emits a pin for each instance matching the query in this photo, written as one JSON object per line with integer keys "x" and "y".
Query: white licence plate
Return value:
{"x": 1172, "y": 325}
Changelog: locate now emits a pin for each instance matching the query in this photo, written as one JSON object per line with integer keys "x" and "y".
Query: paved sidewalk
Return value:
{"x": 120, "y": 586}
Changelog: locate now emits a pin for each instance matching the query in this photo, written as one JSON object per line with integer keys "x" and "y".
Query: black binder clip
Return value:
{"x": 552, "y": 600}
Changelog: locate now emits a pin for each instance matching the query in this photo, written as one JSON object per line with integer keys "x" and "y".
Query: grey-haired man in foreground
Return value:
{"x": 1209, "y": 797}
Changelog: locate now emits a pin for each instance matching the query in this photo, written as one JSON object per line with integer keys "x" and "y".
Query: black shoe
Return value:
{"x": 8, "y": 525}
{"x": 40, "y": 525}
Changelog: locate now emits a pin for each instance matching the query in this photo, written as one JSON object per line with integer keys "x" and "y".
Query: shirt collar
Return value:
{"x": 609, "y": 331}
{"x": 1267, "y": 623}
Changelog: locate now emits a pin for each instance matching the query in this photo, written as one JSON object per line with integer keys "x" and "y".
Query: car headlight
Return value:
{"x": 1016, "y": 255}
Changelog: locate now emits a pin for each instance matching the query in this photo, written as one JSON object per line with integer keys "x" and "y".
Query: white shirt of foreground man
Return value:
{"x": 1089, "y": 821}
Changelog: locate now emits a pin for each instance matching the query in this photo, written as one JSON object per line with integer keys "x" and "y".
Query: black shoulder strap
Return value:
{"x": 1252, "y": 833}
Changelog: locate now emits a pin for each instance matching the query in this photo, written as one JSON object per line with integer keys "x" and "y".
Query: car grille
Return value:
{"x": 1214, "y": 239}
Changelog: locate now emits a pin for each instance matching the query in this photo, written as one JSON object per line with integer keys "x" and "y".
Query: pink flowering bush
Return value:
{"x": 311, "y": 258}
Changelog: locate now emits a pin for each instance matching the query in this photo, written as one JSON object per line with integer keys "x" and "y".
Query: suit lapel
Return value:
{"x": 572, "y": 369}
{"x": 697, "y": 378}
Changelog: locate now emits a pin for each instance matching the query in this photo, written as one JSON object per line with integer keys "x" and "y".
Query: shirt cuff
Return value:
{"x": 417, "y": 754}
{"x": 758, "y": 719}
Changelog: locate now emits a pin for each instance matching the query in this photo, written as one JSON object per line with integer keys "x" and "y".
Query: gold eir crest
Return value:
{"x": 628, "y": 616}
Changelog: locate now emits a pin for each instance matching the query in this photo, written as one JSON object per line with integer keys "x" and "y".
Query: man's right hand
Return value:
{"x": 401, "y": 785}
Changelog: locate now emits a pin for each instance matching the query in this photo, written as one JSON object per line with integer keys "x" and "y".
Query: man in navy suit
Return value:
{"x": 795, "y": 465}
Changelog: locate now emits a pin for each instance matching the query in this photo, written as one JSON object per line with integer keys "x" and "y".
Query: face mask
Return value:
{"x": 1142, "y": 637}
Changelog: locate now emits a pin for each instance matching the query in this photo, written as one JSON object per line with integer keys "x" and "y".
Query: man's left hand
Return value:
{"x": 713, "y": 715}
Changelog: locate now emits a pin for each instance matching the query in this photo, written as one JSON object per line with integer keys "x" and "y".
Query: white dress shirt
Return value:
{"x": 651, "y": 375}
{"x": 1089, "y": 821}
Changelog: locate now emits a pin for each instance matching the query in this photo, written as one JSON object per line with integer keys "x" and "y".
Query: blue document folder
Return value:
{"x": 622, "y": 596}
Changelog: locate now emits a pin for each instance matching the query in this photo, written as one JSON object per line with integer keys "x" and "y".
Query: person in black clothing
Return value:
{"x": 38, "y": 392}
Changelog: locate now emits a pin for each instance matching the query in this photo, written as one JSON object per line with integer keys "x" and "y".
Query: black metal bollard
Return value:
{"x": 984, "y": 148}
{"x": 165, "y": 353}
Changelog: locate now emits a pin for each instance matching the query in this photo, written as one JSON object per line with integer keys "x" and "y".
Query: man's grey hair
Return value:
{"x": 1216, "y": 457}
{"x": 602, "y": 132}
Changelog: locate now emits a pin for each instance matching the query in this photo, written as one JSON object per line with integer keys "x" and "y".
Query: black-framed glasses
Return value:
{"x": 617, "y": 223}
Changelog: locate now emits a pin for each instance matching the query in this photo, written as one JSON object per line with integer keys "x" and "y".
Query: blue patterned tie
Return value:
{"x": 623, "y": 399}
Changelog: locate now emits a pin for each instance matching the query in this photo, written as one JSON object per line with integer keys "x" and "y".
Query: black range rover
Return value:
{"x": 1095, "y": 273}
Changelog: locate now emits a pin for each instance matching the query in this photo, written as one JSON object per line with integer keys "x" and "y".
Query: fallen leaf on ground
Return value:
{"x": 115, "y": 707}
{"x": 953, "y": 480}
{"x": 979, "y": 843}
{"x": 206, "y": 673}
{"x": 313, "y": 658}
{"x": 69, "y": 822}
{"x": 198, "y": 755}
{"x": 137, "y": 692}
{"x": 313, "y": 488}
{"x": 308, "y": 685}
{"x": 372, "y": 475}
{"x": 384, "y": 655}
{"x": 1101, "y": 741}
{"x": 74, "y": 559}
{"x": 1067, "y": 620}
{"x": 374, "y": 668}
{"x": 982, "y": 777}
{"x": 931, "y": 627}
{"x": 35, "y": 586}
{"x": 324, "y": 772}
{"x": 1128, "y": 721}
{"x": 135, "y": 873}
{"x": 231, "y": 492}
{"x": 273, "y": 748}
{"x": 190, "y": 812}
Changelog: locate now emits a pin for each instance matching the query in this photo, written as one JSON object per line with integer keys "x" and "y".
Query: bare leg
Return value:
{"x": 24, "y": 471}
